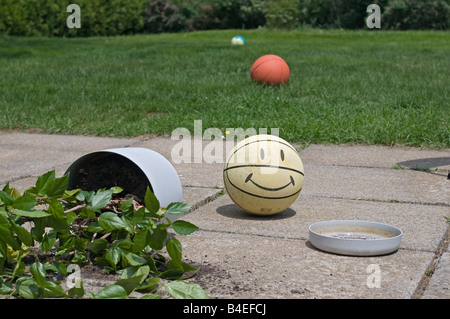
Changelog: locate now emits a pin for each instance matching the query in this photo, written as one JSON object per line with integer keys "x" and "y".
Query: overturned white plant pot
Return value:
{"x": 133, "y": 169}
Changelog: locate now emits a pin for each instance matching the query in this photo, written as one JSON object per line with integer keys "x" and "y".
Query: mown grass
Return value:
{"x": 345, "y": 86}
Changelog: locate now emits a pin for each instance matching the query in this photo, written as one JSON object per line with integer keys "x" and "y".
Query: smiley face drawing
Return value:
{"x": 263, "y": 174}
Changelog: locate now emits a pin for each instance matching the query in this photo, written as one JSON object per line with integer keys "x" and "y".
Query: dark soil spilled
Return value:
{"x": 113, "y": 170}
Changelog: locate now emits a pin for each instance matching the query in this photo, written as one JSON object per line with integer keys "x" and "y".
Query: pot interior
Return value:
{"x": 105, "y": 170}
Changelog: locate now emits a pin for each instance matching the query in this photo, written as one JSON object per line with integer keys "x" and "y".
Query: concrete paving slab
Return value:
{"x": 439, "y": 285}
{"x": 196, "y": 175}
{"x": 375, "y": 184}
{"x": 190, "y": 150}
{"x": 24, "y": 155}
{"x": 257, "y": 267}
{"x": 198, "y": 196}
{"x": 423, "y": 226}
{"x": 377, "y": 156}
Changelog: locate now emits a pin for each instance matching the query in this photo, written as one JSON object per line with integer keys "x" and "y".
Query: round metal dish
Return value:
{"x": 355, "y": 237}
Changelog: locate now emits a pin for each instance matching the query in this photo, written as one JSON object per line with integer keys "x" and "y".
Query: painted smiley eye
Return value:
{"x": 282, "y": 155}
{"x": 261, "y": 153}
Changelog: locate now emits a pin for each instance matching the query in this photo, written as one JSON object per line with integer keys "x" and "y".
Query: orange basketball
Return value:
{"x": 270, "y": 69}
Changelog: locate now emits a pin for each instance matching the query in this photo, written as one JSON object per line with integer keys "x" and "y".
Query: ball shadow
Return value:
{"x": 233, "y": 211}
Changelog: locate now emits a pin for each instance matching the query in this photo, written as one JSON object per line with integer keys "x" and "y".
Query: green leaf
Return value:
{"x": 58, "y": 266}
{"x": 6, "y": 198}
{"x": 38, "y": 272}
{"x": 31, "y": 213}
{"x": 69, "y": 193}
{"x": 6, "y": 234}
{"x": 113, "y": 256}
{"x": 56, "y": 209}
{"x": 149, "y": 285}
{"x": 183, "y": 227}
{"x": 116, "y": 190}
{"x": 158, "y": 237}
{"x": 32, "y": 191}
{"x": 177, "y": 208}
{"x": 129, "y": 227}
{"x": 97, "y": 245}
{"x": 23, "y": 234}
{"x": 87, "y": 212}
{"x": 152, "y": 264}
{"x": 181, "y": 290}
{"x": 84, "y": 196}
{"x": 71, "y": 217}
{"x": 130, "y": 284}
{"x": 5, "y": 287}
{"x": 43, "y": 182}
{"x": 189, "y": 268}
{"x": 126, "y": 205}
{"x": 53, "y": 290}
{"x": 124, "y": 244}
{"x": 26, "y": 288}
{"x": 56, "y": 188}
{"x": 25, "y": 202}
{"x": 174, "y": 250}
{"x": 135, "y": 260}
{"x": 77, "y": 290}
{"x": 48, "y": 240}
{"x": 151, "y": 202}
{"x": 139, "y": 218}
{"x": 112, "y": 292}
{"x": 6, "y": 187}
{"x": 14, "y": 193}
{"x": 3, "y": 256}
{"x": 174, "y": 271}
{"x": 39, "y": 228}
{"x": 110, "y": 221}
{"x": 100, "y": 199}
{"x": 141, "y": 240}
{"x": 58, "y": 224}
{"x": 132, "y": 271}
{"x": 94, "y": 228}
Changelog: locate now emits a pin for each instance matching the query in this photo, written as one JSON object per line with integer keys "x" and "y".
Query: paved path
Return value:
{"x": 245, "y": 256}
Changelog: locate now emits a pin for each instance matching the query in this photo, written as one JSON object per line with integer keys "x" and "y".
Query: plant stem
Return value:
{"x": 76, "y": 208}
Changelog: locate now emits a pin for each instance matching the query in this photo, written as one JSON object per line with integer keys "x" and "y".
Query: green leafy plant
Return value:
{"x": 281, "y": 14}
{"x": 48, "y": 229}
{"x": 417, "y": 14}
{"x": 162, "y": 16}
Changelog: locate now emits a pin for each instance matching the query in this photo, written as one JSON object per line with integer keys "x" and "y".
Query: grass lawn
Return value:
{"x": 374, "y": 87}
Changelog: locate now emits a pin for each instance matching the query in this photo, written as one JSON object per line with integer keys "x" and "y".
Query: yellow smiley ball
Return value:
{"x": 263, "y": 174}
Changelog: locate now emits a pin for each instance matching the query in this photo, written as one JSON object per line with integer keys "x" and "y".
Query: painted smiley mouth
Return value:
{"x": 249, "y": 179}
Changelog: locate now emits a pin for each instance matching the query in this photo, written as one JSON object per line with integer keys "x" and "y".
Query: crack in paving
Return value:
{"x": 428, "y": 274}
{"x": 391, "y": 201}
